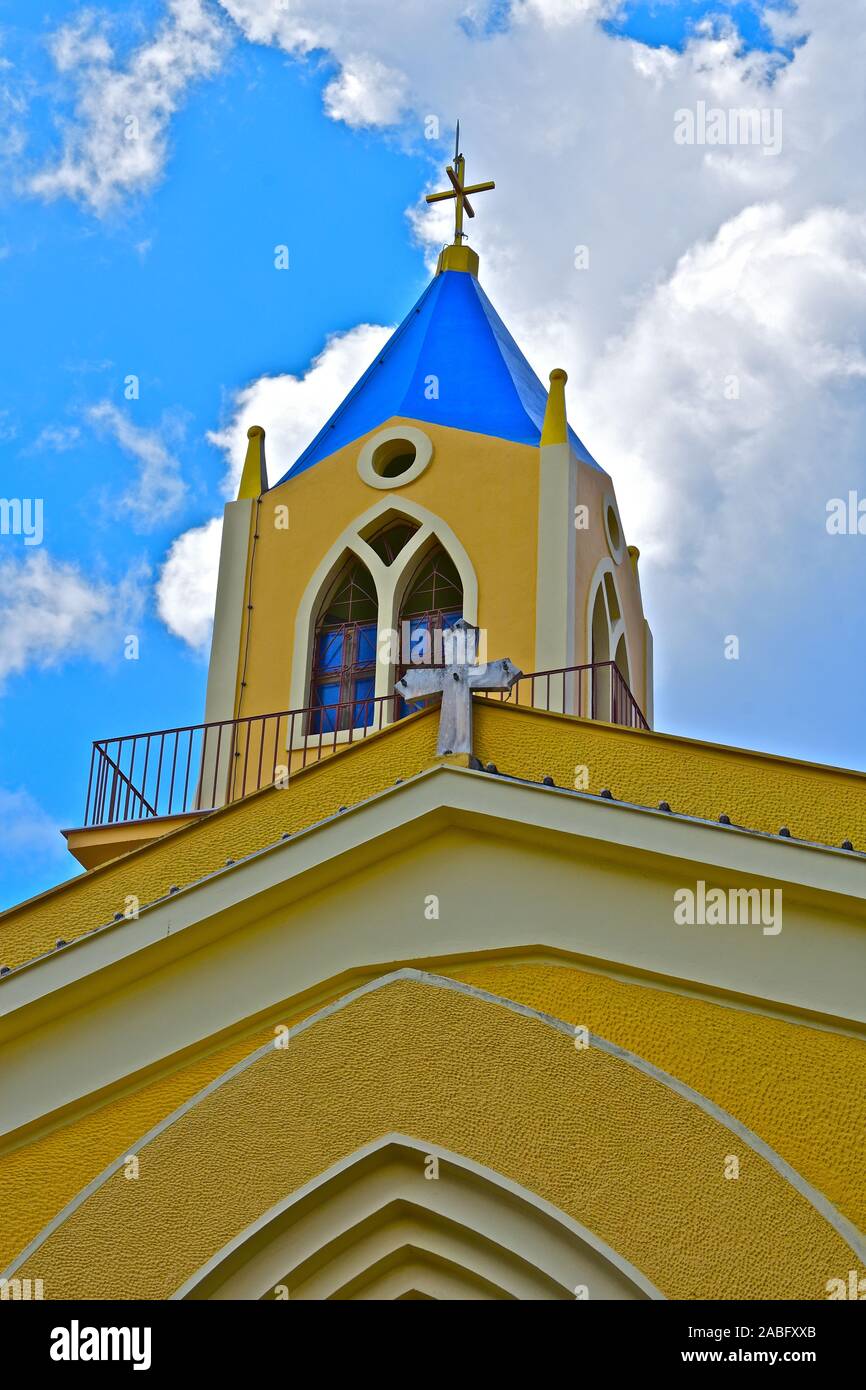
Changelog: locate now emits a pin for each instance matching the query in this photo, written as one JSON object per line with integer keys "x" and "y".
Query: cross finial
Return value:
{"x": 459, "y": 191}
{"x": 455, "y": 681}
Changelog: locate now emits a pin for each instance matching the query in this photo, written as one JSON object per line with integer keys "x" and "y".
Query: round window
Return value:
{"x": 395, "y": 456}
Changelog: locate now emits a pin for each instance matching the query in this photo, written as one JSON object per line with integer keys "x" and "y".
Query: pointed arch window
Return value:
{"x": 432, "y": 605}
{"x": 344, "y": 655}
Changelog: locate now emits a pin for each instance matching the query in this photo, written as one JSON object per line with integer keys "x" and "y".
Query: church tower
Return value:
{"x": 425, "y": 967}
{"x": 447, "y": 484}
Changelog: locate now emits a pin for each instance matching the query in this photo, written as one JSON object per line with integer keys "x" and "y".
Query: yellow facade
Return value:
{"x": 232, "y": 1157}
{"x": 753, "y": 1059}
{"x": 501, "y": 539}
{"x": 414, "y": 1025}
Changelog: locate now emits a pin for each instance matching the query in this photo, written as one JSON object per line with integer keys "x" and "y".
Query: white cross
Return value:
{"x": 455, "y": 681}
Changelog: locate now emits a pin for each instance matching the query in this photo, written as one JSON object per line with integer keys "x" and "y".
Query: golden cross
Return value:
{"x": 459, "y": 191}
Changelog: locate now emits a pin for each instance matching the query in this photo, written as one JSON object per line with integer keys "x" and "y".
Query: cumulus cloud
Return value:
{"x": 734, "y": 365}
{"x": 715, "y": 342}
{"x": 51, "y": 612}
{"x": 115, "y": 139}
{"x": 115, "y": 142}
{"x": 158, "y": 490}
{"x": 706, "y": 265}
{"x": 366, "y": 93}
{"x": 292, "y": 409}
{"x": 186, "y": 587}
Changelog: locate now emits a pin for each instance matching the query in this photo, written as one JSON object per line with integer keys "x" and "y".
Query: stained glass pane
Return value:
{"x": 345, "y": 653}
{"x": 365, "y": 654}
{"x": 324, "y": 721}
{"x": 329, "y": 655}
{"x": 362, "y": 710}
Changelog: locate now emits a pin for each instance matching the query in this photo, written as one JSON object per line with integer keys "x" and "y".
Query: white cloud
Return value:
{"x": 57, "y": 438}
{"x": 559, "y": 13}
{"x": 158, "y": 490}
{"x": 293, "y": 409}
{"x": 27, "y": 832}
{"x": 706, "y": 262}
{"x": 51, "y": 612}
{"x": 366, "y": 93}
{"x": 186, "y": 588}
{"x": 80, "y": 43}
{"x": 116, "y": 142}
{"x": 735, "y": 365}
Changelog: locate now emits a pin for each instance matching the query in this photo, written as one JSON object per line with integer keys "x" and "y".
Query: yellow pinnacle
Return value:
{"x": 555, "y": 427}
{"x": 254, "y": 478}
{"x": 457, "y": 256}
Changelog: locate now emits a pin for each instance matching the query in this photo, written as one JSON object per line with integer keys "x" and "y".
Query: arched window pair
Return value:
{"x": 346, "y": 644}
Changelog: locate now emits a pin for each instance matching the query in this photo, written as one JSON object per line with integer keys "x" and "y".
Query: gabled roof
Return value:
{"x": 485, "y": 384}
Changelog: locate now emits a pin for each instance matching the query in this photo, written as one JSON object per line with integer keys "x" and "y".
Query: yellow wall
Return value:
{"x": 639, "y": 1165}
{"x": 486, "y": 489}
{"x": 397, "y": 1060}
{"x": 764, "y": 1071}
{"x": 757, "y": 790}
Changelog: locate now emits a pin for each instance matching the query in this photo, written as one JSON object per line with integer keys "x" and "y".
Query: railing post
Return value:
{"x": 215, "y": 766}
{"x": 89, "y": 785}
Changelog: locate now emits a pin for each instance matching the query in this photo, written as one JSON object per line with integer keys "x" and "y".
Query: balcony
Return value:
{"x": 171, "y": 775}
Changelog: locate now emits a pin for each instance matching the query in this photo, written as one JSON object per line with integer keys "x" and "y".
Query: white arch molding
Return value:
{"x": 391, "y": 582}
{"x": 375, "y": 1226}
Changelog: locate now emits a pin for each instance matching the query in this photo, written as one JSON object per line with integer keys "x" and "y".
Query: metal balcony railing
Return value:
{"x": 597, "y": 690}
{"x": 196, "y": 767}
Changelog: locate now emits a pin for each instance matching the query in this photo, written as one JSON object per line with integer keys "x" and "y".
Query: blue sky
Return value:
{"x": 661, "y": 22}
{"x": 175, "y": 283}
{"x": 194, "y": 315}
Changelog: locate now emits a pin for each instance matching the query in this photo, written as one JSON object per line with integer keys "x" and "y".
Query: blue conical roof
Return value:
{"x": 485, "y": 384}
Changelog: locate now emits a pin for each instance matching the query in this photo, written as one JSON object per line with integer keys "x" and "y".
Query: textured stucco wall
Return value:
{"x": 505, "y": 1091}
{"x": 755, "y": 789}
{"x": 800, "y": 1088}
{"x": 767, "y": 1073}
